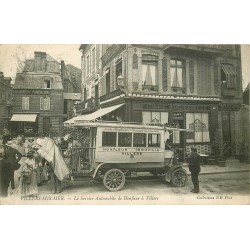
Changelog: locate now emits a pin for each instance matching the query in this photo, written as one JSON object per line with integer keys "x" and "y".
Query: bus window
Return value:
{"x": 124, "y": 139}
{"x": 154, "y": 140}
{"x": 139, "y": 140}
{"x": 109, "y": 139}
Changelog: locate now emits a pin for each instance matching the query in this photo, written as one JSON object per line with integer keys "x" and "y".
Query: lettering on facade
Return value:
{"x": 229, "y": 107}
{"x": 171, "y": 107}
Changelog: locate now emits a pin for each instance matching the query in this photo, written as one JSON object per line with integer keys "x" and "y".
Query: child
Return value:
{"x": 28, "y": 176}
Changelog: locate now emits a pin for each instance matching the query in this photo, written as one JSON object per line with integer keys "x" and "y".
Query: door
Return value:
{"x": 46, "y": 125}
{"x": 178, "y": 139}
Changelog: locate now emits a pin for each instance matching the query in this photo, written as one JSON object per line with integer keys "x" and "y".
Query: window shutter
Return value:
{"x": 48, "y": 103}
{"x": 23, "y": 103}
{"x": 41, "y": 103}
{"x": 27, "y": 103}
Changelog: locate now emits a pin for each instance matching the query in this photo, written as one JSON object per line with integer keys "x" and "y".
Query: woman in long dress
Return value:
{"x": 28, "y": 177}
{"x": 40, "y": 173}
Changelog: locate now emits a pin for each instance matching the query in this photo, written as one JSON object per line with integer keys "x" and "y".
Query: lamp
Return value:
{"x": 120, "y": 81}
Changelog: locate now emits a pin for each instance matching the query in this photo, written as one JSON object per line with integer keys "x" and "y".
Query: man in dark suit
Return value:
{"x": 8, "y": 166}
{"x": 194, "y": 168}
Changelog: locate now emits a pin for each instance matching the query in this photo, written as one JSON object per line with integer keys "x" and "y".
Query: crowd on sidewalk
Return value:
{"x": 22, "y": 173}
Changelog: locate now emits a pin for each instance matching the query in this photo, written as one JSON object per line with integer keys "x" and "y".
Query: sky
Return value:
{"x": 11, "y": 53}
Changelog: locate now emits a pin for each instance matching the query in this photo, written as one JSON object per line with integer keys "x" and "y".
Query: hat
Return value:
{"x": 40, "y": 142}
{"x": 36, "y": 146}
{"x": 9, "y": 144}
{"x": 31, "y": 140}
{"x": 67, "y": 137}
{"x": 30, "y": 153}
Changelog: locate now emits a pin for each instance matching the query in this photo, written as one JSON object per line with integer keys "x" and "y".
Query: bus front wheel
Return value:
{"x": 114, "y": 180}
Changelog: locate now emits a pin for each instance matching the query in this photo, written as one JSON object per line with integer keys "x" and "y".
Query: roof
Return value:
{"x": 36, "y": 81}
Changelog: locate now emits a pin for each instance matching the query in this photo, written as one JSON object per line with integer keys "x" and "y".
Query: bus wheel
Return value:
{"x": 179, "y": 177}
{"x": 114, "y": 180}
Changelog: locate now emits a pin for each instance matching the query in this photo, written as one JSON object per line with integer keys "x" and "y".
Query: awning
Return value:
{"x": 230, "y": 73}
{"x": 96, "y": 114}
{"x": 23, "y": 118}
{"x": 228, "y": 69}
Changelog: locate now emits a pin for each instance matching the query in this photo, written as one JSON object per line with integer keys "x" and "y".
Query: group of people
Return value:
{"x": 32, "y": 171}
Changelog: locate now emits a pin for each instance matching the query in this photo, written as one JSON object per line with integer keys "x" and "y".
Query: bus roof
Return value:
{"x": 115, "y": 124}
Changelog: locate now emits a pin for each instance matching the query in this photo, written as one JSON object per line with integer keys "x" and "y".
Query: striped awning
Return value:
{"x": 23, "y": 118}
{"x": 228, "y": 69}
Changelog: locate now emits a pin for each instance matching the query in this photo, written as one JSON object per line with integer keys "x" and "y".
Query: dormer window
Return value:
{"x": 47, "y": 83}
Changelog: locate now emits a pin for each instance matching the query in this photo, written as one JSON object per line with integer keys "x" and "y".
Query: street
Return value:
{"x": 226, "y": 188}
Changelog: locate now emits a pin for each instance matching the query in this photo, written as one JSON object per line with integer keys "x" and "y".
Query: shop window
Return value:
{"x": 139, "y": 140}
{"x": 154, "y": 140}
{"x": 177, "y": 73}
{"x": 25, "y": 103}
{"x": 198, "y": 122}
{"x": 149, "y": 117}
{"x": 109, "y": 139}
{"x": 124, "y": 139}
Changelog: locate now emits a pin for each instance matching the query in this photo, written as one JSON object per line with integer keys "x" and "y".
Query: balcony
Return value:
{"x": 205, "y": 49}
{"x": 178, "y": 90}
{"x": 111, "y": 95}
{"x": 150, "y": 88}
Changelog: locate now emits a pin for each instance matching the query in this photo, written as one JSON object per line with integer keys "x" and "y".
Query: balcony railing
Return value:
{"x": 150, "y": 88}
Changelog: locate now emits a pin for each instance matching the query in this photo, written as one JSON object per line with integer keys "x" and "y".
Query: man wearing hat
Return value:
{"x": 9, "y": 164}
{"x": 194, "y": 168}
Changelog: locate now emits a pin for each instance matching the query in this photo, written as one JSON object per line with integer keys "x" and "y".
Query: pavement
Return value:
{"x": 232, "y": 166}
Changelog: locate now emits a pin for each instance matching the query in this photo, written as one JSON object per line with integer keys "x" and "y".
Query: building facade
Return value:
{"x": 40, "y": 98}
{"x": 5, "y": 102}
{"x": 187, "y": 86}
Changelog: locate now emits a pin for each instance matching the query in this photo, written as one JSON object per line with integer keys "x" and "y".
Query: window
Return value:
{"x": 154, "y": 117}
{"x": 44, "y": 103}
{"x": 25, "y": 103}
{"x": 148, "y": 73}
{"x": 139, "y": 140}
{"x": 228, "y": 75}
{"x": 118, "y": 68}
{"x": 154, "y": 140}
{"x": 47, "y": 84}
{"x": 199, "y": 123}
{"x": 109, "y": 139}
{"x": 176, "y": 73}
{"x": 124, "y": 139}
{"x": 108, "y": 81}
{"x": 93, "y": 57}
{"x": 87, "y": 66}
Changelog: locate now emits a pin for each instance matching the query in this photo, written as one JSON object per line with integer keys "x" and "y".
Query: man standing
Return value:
{"x": 194, "y": 168}
{"x": 9, "y": 164}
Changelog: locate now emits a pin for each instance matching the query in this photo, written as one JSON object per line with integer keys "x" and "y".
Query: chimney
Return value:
{"x": 40, "y": 61}
{"x": 62, "y": 71}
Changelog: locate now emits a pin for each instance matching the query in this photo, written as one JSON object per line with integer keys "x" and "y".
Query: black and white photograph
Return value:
{"x": 124, "y": 124}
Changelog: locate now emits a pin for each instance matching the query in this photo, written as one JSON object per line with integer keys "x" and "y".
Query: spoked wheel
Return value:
{"x": 114, "y": 180}
{"x": 179, "y": 177}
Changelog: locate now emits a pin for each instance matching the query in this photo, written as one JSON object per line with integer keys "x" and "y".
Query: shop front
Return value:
{"x": 25, "y": 124}
{"x": 201, "y": 117}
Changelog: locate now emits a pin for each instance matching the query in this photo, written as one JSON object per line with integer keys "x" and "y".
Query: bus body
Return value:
{"x": 120, "y": 150}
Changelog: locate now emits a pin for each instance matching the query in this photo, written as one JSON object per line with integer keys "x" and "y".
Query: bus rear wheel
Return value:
{"x": 114, "y": 180}
{"x": 179, "y": 177}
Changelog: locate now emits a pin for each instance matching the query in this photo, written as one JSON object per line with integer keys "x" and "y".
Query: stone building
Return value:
{"x": 187, "y": 86}
{"x": 5, "y": 102}
{"x": 43, "y": 95}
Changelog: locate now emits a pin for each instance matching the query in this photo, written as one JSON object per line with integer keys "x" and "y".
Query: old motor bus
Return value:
{"x": 122, "y": 150}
